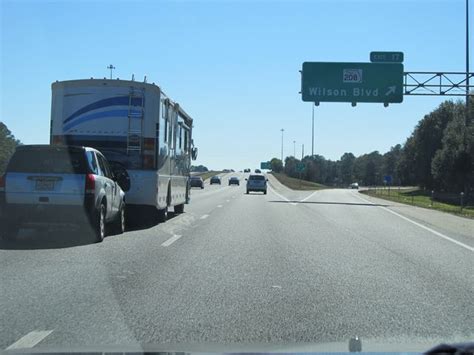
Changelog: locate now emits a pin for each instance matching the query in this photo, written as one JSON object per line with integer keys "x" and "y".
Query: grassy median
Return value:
{"x": 208, "y": 174}
{"x": 420, "y": 198}
{"x": 297, "y": 184}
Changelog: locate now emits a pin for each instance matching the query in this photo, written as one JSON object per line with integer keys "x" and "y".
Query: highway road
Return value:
{"x": 289, "y": 268}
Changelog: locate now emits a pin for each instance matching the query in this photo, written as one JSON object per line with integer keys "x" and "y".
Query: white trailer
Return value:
{"x": 137, "y": 127}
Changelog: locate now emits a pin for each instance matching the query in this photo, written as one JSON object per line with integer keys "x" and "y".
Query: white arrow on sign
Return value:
{"x": 391, "y": 90}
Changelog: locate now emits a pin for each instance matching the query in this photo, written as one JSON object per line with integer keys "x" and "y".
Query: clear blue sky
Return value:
{"x": 233, "y": 65}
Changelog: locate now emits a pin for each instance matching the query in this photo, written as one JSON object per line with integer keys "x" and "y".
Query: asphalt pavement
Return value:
{"x": 288, "y": 268}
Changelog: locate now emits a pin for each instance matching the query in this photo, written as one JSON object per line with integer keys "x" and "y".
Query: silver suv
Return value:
{"x": 257, "y": 182}
{"x": 47, "y": 185}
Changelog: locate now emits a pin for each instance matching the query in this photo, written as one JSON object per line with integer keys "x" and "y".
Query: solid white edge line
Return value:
{"x": 441, "y": 235}
{"x": 219, "y": 206}
{"x": 204, "y": 216}
{"x": 29, "y": 340}
{"x": 170, "y": 241}
{"x": 281, "y": 196}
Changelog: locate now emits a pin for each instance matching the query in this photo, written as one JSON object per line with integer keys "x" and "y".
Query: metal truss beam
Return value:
{"x": 437, "y": 84}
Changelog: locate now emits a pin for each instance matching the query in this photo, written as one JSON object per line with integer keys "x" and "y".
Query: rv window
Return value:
{"x": 185, "y": 140}
{"x": 165, "y": 130}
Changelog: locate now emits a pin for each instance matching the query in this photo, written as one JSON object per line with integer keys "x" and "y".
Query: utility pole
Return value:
{"x": 302, "y": 152}
{"x": 111, "y": 67}
{"x": 467, "y": 61}
{"x": 294, "y": 149}
{"x": 282, "y": 130}
{"x": 312, "y": 133}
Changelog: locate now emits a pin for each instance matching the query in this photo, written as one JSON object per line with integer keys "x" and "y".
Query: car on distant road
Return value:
{"x": 257, "y": 182}
{"x": 56, "y": 185}
{"x": 196, "y": 181}
{"x": 234, "y": 180}
{"x": 258, "y": 171}
{"x": 215, "y": 180}
{"x": 354, "y": 185}
{"x": 246, "y": 170}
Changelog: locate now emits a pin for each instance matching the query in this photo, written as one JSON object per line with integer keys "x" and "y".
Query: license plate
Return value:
{"x": 44, "y": 185}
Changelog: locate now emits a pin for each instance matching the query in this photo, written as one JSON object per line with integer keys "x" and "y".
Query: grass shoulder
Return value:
{"x": 208, "y": 174}
{"x": 297, "y": 184}
{"x": 420, "y": 198}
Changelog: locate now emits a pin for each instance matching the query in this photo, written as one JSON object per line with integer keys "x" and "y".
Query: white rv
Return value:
{"x": 140, "y": 131}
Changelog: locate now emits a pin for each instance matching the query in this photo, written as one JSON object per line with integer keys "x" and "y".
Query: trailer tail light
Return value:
{"x": 149, "y": 148}
{"x": 3, "y": 180}
{"x": 58, "y": 140}
{"x": 148, "y": 161}
{"x": 90, "y": 184}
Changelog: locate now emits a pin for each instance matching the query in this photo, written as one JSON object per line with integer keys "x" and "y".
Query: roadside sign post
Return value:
{"x": 300, "y": 167}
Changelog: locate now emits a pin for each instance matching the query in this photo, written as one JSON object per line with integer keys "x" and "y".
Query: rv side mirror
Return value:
{"x": 194, "y": 153}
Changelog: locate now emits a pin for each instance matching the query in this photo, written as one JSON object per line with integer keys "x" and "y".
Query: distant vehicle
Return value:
{"x": 257, "y": 182}
{"x": 137, "y": 125}
{"x": 196, "y": 181}
{"x": 215, "y": 180}
{"x": 234, "y": 180}
{"x": 246, "y": 170}
{"x": 257, "y": 171}
{"x": 354, "y": 185}
{"x": 46, "y": 185}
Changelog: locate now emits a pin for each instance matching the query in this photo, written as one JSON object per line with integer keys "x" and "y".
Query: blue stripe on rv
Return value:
{"x": 111, "y": 101}
{"x": 95, "y": 116}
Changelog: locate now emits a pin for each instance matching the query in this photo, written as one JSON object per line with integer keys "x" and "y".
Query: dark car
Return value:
{"x": 246, "y": 170}
{"x": 258, "y": 171}
{"x": 215, "y": 180}
{"x": 196, "y": 181}
{"x": 234, "y": 181}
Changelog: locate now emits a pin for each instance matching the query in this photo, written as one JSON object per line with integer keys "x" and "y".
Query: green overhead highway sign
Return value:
{"x": 300, "y": 167}
{"x": 265, "y": 165}
{"x": 386, "y": 57}
{"x": 352, "y": 82}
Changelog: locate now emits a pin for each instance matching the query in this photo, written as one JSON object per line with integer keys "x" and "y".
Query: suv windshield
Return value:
{"x": 48, "y": 161}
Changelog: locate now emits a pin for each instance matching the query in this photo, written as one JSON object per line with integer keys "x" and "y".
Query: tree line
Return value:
{"x": 8, "y": 143}
{"x": 439, "y": 154}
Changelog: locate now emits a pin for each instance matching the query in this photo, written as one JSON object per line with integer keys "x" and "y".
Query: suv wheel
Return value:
{"x": 119, "y": 225}
{"x": 265, "y": 192}
{"x": 99, "y": 224}
{"x": 247, "y": 192}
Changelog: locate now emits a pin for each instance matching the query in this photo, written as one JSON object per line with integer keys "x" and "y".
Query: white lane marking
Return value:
{"x": 204, "y": 216}
{"x": 308, "y": 197}
{"x": 227, "y": 200}
{"x": 219, "y": 206}
{"x": 281, "y": 196}
{"x": 170, "y": 241}
{"x": 30, "y": 339}
{"x": 441, "y": 235}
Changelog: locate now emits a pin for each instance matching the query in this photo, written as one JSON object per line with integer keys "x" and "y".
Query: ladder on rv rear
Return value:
{"x": 136, "y": 113}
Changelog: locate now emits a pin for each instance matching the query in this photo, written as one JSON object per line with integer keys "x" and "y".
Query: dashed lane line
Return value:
{"x": 30, "y": 339}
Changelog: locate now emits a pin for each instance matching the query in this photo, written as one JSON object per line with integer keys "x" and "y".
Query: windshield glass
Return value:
{"x": 48, "y": 161}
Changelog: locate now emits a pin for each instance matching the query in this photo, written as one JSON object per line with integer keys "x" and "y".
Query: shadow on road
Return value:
{"x": 147, "y": 223}
{"x": 31, "y": 239}
{"x": 334, "y": 203}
